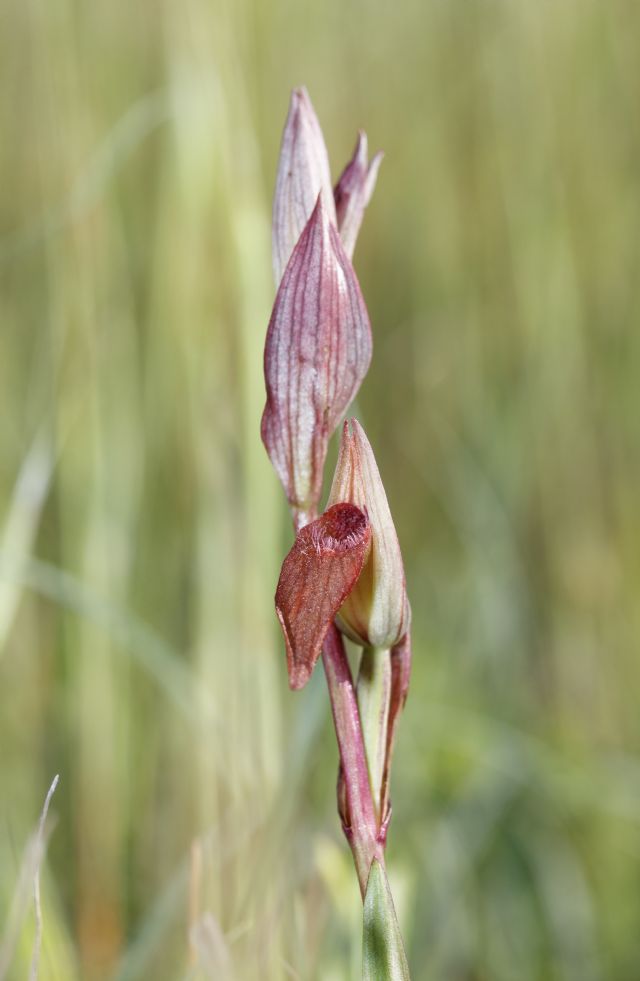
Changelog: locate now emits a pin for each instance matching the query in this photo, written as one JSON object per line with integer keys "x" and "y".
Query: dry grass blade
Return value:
{"x": 213, "y": 954}
{"x": 40, "y": 849}
{"x": 29, "y": 874}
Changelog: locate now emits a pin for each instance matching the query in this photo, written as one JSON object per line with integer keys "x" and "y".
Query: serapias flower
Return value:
{"x": 317, "y": 353}
{"x": 376, "y": 612}
{"x": 345, "y": 568}
{"x": 320, "y": 570}
{"x": 353, "y": 192}
{"x": 303, "y": 174}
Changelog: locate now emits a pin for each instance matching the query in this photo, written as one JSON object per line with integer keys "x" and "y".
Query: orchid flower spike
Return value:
{"x": 353, "y": 192}
{"x": 317, "y": 353}
{"x": 376, "y": 612}
{"x": 303, "y": 174}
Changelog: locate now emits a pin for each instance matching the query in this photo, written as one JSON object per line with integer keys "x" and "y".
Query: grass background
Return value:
{"x": 142, "y": 529}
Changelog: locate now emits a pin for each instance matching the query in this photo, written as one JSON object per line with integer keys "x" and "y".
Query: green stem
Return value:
{"x": 373, "y": 693}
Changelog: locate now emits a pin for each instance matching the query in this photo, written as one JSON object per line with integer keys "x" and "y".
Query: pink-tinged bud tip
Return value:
{"x": 303, "y": 173}
{"x": 353, "y": 192}
{"x": 317, "y": 352}
{"x": 316, "y": 576}
{"x": 376, "y": 613}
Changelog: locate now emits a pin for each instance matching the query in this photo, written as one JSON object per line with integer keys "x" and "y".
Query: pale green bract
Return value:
{"x": 383, "y": 956}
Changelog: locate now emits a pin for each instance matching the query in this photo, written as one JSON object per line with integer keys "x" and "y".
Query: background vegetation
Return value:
{"x": 142, "y": 528}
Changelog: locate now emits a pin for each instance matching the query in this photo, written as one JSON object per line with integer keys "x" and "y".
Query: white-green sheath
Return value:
{"x": 373, "y": 692}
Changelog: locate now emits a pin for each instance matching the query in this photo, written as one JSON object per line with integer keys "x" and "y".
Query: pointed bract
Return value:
{"x": 317, "y": 352}
{"x": 400, "y": 677}
{"x": 353, "y": 192}
{"x": 376, "y": 613}
{"x": 383, "y": 953}
{"x": 317, "y": 574}
{"x": 303, "y": 173}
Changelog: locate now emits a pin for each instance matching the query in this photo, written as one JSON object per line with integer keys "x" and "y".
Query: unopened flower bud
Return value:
{"x": 317, "y": 353}
{"x": 353, "y": 192}
{"x": 303, "y": 173}
{"x": 318, "y": 573}
{"x": 376, "y": 612}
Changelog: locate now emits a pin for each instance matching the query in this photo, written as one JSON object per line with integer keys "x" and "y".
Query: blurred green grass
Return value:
{"x": 142, "y": 528}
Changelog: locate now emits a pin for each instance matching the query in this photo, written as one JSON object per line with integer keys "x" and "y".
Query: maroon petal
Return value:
{"x": 353, "y": 192}
{"x": 317, "y": 353}
{"x": 317, "y": 574}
